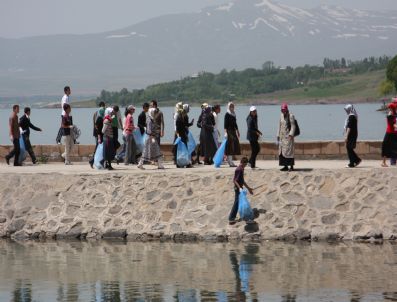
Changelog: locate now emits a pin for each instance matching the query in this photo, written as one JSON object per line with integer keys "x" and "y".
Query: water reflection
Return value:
{"x": 279, "y": 272}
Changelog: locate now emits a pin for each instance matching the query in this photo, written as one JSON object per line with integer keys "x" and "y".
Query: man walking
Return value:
{"x": 65, "y": 100}
{"x": 14, "y": 136}
{"x": 25, "y": 124}
{"x": 158, "y": 120}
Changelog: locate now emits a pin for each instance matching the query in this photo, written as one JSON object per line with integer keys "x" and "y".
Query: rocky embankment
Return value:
{"x": 182, "y": 205}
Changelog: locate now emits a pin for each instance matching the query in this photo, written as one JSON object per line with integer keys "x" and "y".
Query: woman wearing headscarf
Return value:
{"x": 199, "y": 122}
{"x": 389, "y": 145}
{"x": 351, "y": 134}
{"x": 232, "y": 134}
{"x": 130, "y": 146}
{"x": 151, "y": 150}
{"x": 109, "y": 150}
{"x": 253, "y": 135}
{"x": 207, "y": 143}
{"x": 285, "y": 139}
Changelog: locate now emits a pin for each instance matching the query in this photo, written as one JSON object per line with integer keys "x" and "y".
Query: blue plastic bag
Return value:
{"x": 244, "y": 207}
{"x": 182, "y": 154}
{"x": 139, "y": 140}
{"x": 98, "y": 157}
{"x": 22, "y": 148}
{"x": 220, "y": 153}
{"x": 191, "y": 143}
{"x": 245, "y": 271}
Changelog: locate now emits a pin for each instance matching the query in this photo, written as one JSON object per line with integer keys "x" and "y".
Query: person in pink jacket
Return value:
{"x": 129, "y": 127}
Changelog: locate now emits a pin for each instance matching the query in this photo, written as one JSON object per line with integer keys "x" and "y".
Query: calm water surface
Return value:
{"x": 317, "y": 122}
{"x": 274, "y": 272}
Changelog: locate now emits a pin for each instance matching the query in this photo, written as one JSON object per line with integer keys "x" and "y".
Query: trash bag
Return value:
{"x": 191, "y": 143}
{"x": 22, "y": 148}
{"x": 244, "y": 207}
{"x": 182, "y": 154}
{"x": 139, "y": 140}
{"x": 218, "y": 158}
{"x": 98, "y": 157}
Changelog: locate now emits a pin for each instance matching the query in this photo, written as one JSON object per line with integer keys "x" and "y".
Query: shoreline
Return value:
{"x": 321, "y": 201}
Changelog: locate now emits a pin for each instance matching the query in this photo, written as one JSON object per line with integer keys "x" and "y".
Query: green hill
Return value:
{"x": 336, "y": 80}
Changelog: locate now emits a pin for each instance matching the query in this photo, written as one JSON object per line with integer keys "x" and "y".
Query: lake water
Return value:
{"x": 271, "y": 272}
{"x": 317, "y": 122}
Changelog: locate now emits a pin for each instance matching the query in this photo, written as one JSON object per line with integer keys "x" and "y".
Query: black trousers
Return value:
{"x": 353, "y": 158}
{"x": 15, "y": 152}
{"x": 255, "y": 148}
{"x": 234, "y": 211}
{"x": 29, "y": 148}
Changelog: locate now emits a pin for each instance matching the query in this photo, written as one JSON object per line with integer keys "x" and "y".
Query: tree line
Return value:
{"x": 250, "y": 82}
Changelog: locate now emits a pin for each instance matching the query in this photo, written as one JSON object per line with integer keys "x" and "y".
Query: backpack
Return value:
{"x": 297, "y": 129}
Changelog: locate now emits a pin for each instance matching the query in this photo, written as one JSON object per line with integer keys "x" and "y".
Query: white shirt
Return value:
{"x": 65, "y": 100}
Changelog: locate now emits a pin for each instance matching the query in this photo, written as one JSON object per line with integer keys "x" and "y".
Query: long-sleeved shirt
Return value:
{"x": 252, "y": 128}
{"x": 67, "y": 121}
{"x": 14, "y": 126}
{"x": 142, "y": 122}
{"x": 230, "y": 122}
{"x": 65, "y": 100}
{"x": 107, "y": 127}
{"x": 129, "y": 126}
{"x": 25, "y": 124}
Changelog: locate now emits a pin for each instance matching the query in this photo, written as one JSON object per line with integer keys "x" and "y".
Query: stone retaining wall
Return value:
{"x": 304, "y": 150}
{"x": 155, "y": 205}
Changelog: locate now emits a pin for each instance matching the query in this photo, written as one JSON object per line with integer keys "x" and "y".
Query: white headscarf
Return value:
{"x": 350, "y": 110}
{"x": 229, "y": 110}
{"x": 152, "y": 112}
{"x": 108, "y": 111}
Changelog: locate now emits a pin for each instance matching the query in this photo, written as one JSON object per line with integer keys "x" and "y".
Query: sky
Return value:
{"x": 22, "y": 18}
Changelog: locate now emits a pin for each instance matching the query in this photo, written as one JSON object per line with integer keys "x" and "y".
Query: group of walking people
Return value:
{"x": 141, "y": 140}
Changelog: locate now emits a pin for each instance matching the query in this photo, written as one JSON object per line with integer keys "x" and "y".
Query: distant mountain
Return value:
{"x": 239, "y": 34}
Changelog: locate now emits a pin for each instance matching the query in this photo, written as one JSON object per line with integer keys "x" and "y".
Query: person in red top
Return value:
{"x": 239, "y": 184}
{"x": 389, "y": 145}
{"x": 129, "y": 127}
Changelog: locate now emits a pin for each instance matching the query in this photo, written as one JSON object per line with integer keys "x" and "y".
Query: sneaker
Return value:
{"x": 141, "y": 167}
{"x": 349, "y": 166}
{"x": 7, "y": 160}
{"x": 91, "y": 165}
{"x": 284, "y": 169}
{"x": 68, "y": 163}
{"x": 359, "y": 162}
{"x": 232, "y": 222}
{"x": 161, "y": 167}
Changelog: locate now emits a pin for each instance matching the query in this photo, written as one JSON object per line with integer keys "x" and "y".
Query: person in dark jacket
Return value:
{"x": 199, "y": 121}
{"x": 207, "y": 142}
{"x": 253, "y": 135}
{"x": 351, "y": 134}
{"x": 25, "y": 124}
{"x": 142, "y": 118}
{"x": 233, "y": 135}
